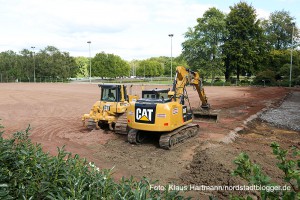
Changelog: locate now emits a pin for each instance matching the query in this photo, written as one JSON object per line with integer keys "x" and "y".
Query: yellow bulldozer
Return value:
{"x": 111, "y": 109}
{"x": 168, "y": 112}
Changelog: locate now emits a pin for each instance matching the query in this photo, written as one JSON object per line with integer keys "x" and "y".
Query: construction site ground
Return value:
{"x": 54, "y": 113}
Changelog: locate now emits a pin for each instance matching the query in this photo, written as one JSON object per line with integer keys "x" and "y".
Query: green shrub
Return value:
{"x": 218, "y": 83}
{"x": 296, "y": 81}
{"x": 253, "y": 174}
{"x": 265, "y": 78}
{"x": 233, "y": 80}
{"x": 218, "y": 79}
{"x": 285, "y": 71}
{"x": 26, "y": 172}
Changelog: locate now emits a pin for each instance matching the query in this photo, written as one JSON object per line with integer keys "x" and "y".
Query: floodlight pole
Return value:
{"x": 89, "y": 42}
{"x": 291, "y": 67}
{"x": 33, "y": 63}
{"x": 171, "y": 36}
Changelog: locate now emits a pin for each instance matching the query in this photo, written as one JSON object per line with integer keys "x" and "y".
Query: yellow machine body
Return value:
{"x": 112, "y": 105}
{"x": 161, "y": 117}
{"x": 167, "y": 112}
{"x": 106, "y": 111}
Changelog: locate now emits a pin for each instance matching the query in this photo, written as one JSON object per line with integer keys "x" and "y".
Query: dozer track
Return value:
{"x": 167, "y": 140}
{"x": 121, "y": 126}
{"x": 178, "y": 136}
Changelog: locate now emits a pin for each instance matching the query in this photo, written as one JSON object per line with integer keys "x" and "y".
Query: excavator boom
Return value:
{"x": 184, "y": 77}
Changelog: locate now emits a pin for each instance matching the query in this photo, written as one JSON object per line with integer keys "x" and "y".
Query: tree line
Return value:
{"x": 241, "y": 44}
{"x": 230, "y": 45}
{"x": 49, "y": 63}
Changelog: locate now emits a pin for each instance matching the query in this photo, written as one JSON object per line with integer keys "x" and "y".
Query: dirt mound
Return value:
{"x": 209, "y": 170}
{"x": 213, "y": 166}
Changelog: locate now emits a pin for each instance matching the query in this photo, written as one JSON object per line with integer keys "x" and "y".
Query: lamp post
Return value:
{"x": 171, "y": 35}
{"x": 290, "y": 85}
{"x": 33, "y": 63}
{"x": 89, "y": 42}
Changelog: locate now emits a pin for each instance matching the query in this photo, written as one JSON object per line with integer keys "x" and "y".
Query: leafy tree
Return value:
{"x": 109, "y": 65}
{"x": 279, "y": 30}
{"x": 10, "y": 66}
{"x": 27, "y": 65}
{"x": 99, "y": 65}
{"x": 133, "y": 66}
{"x": 285, "y": 70}
{"x": 150, "y": 68}
{"x": 203, "y": 47}
{"x": 157, "y": 66}
{"x": 49, "y": 62}
{"x": 52, "y": 63}
{"x": 244, "y": 46}
{"x": 277, "y": 58}
{"x": 83, "y": 66}
{"x": 267, "y": 77}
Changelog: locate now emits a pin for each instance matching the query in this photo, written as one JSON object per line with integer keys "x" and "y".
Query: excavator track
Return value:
{"x": 168, "y": 140}
{"x": 177, "y": 137}
{"x": 135, "y": 136}
{"x": 121, "y": 126}
{"x": 132, "y": 136}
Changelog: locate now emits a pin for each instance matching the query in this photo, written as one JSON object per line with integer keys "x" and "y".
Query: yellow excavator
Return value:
{"x": 110, "y": 109}
{"x": 168, "y": 113}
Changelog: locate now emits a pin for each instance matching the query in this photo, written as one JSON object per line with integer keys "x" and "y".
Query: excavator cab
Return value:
{"x": 155, "y": 95}
{"x": 113, "y": 93}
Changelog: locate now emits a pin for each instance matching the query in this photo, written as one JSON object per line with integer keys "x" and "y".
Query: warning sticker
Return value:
{"x": 161, "y": 115}
{"x": 175, "y": 111}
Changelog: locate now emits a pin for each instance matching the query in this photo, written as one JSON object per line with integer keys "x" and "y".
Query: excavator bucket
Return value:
{"x": 203, "y": 115}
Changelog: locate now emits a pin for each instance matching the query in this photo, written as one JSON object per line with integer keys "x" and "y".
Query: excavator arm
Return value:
{"x": 184, "y": 77}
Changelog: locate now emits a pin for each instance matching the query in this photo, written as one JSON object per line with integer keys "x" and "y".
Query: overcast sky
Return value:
{"x": 132, "y": 29}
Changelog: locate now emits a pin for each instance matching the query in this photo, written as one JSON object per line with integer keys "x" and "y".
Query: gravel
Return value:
{"x": 287, "y": 115}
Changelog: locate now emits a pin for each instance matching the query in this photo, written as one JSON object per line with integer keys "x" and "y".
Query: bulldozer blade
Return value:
{"x": 205, "y": 116}
{"x": 91, "y": 125}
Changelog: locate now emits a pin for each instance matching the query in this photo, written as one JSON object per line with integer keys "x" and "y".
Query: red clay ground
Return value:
{"x": 54, "y": 113}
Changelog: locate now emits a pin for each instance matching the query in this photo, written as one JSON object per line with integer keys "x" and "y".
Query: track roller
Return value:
{"x": 135, "y": 137}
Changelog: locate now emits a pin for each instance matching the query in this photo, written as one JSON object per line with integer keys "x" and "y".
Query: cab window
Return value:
{"x": 109, "y": 94}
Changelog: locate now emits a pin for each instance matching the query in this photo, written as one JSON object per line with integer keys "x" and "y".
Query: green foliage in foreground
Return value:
{"x": 26, "y": 172}
{"x": 253, "y": 174}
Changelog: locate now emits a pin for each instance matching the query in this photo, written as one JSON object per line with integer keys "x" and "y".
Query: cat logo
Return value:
{"x": 106, "y": 107}
{"x": 144, "y": 114}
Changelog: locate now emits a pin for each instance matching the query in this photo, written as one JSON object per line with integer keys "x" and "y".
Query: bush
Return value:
{"x": 285, "y": 71}
{"x": 218, "y": 83}
{"x": 233, "y": 80}
{"x": 245, "y": 82}
{"x": 296, "y": 81}
{"x": 265, "y": 78}
{"x": 26, "y": 172}
{"x": 253, "y": 174}
{"x": 218, "y": 79}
